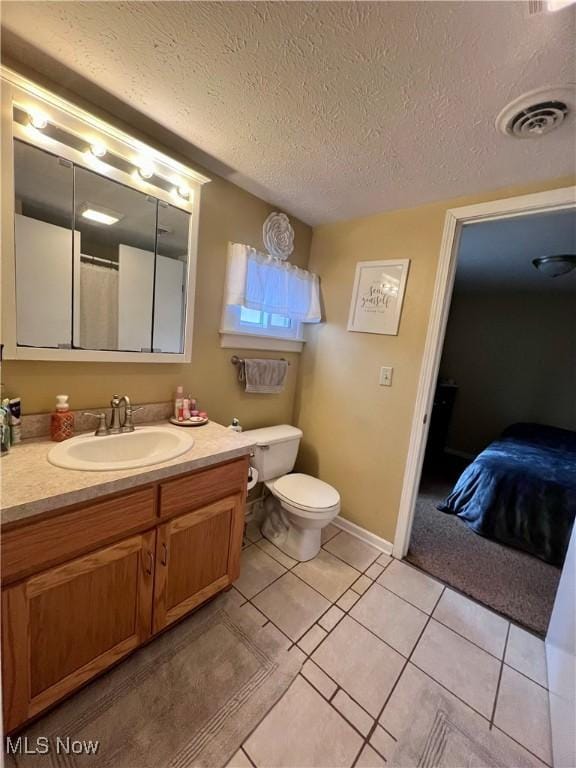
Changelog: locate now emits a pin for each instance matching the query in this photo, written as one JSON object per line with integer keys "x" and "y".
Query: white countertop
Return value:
{"x": 31, "y": 486}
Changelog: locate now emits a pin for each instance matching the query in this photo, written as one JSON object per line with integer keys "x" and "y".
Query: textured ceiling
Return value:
{"x": 328, "y": 110}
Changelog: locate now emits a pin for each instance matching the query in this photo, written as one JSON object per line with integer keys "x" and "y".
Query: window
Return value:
{"x": 266, "y": 301}
{"x": 255, "y": 319}
{"x": 242, "y": 327}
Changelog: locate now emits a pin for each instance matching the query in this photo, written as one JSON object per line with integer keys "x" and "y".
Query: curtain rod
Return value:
{"x": 99, "y": 262}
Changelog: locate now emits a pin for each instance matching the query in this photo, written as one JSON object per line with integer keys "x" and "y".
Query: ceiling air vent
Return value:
{"x": 536, "y": 113}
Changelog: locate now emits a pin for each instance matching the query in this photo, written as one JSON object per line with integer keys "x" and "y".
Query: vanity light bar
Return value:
{"x": 97, "y": 151}
{"x": 153, "y": 168}
{"x": 74, "y": 124}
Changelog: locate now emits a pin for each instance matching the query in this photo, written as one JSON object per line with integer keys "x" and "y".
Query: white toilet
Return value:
{"x": 300, "y": 505}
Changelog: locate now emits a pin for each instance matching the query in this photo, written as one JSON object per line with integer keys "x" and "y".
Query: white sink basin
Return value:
{"x": 144, "y": 446}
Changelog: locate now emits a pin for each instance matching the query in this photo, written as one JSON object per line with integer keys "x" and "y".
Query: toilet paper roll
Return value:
{"x": 252, "y": 478}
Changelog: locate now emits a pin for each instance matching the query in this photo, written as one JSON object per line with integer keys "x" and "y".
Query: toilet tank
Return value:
{"x": 275, "y": 450}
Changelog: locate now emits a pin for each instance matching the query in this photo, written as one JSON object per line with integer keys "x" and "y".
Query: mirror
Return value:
{"x": 99, "y": 265}
{"x": 43, "y": 242}
{"x": 115, "y": 278}
{"x": 170, "y": 282}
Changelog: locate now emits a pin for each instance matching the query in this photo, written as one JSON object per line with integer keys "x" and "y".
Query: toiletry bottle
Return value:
{"x": 62, "y": 420}
{"x": 15, "y": 409}
{"x": 235, "y": 426}
{"x": 179, "y": 402}
{"x": 186, "y": 408}
{"x": 4, "y": 428}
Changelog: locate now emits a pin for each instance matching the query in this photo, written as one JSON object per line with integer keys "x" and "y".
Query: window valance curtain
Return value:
{"x": 258, "y": 281}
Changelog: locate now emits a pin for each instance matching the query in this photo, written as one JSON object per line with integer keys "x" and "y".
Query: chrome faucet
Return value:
{"x": 115, "y": 424}
{"x": 127, "y": 423}
{"x": 118, "y": 425}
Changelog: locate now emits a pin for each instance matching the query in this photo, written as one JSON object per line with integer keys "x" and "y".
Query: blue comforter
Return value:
{"x": 521, "y": 490}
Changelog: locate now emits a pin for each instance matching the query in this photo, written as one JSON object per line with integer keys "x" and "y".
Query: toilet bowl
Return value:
{"x": 299, "y": 505}
{"x": 304, "y": 505}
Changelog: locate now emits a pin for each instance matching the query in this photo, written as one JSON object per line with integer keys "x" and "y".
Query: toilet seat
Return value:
{"x": 306, "y": 494}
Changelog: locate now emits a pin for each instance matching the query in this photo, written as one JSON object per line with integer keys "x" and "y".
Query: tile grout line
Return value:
{"x": 526, "y": 677}
{"x": 413, "y": 605}
{"x": 499, "y": 679}
{"x": 477, "y": 602}
{"x": 332, "y": 603}
{"x": 455, "y": 632}
{"x": 346, "y": 612}
{"x": 252, "y": 763}
{"x": 308, "y": 656}
{"x": 524, "y": 747}
{"x": 377, "y": 719}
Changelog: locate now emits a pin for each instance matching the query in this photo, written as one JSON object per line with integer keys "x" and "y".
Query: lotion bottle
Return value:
{"x": 62, "y": 420}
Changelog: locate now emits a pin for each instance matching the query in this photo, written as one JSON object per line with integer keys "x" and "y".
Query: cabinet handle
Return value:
{"x": 150, "y": 563}
{"x": 164, "y": 558}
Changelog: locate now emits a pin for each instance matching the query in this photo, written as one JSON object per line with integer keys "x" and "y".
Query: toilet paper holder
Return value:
{"x": 252, "y": 478}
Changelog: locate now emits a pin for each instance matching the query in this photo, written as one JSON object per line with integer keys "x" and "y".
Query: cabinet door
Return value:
{"x": 197, "y": 555}
{"x": 63, "y": 626}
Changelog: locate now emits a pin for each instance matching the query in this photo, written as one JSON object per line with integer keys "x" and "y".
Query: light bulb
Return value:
{"x": 38, "y": 120}
{"x": 98, "y": 149}
{"x": 182, "y": 190}
{"x": 146, "y": 170}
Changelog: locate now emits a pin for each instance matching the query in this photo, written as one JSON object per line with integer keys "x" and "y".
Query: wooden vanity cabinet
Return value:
{"x": 66, "y": 623}
{"x": 197, "y": 555}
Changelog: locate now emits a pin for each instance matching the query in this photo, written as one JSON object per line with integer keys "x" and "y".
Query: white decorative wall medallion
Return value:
{"x": 278, "y": 235}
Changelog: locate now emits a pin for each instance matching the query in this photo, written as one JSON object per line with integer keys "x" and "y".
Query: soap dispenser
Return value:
{"x": 62, "y": 420}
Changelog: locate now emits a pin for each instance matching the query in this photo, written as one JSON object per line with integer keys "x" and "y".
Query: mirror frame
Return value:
{"x": 23, "y": 93}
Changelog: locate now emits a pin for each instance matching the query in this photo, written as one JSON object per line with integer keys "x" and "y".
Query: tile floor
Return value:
{"x": 374, "y": 635}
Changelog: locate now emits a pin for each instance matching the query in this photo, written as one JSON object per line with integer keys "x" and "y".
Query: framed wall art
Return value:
{"x": 377, "y": 296}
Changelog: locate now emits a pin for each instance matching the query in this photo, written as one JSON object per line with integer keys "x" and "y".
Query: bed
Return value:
{"x": 521, "y": 490}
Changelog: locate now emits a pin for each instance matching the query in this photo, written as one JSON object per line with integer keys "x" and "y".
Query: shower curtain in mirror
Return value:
{"x": 98, "y": 307}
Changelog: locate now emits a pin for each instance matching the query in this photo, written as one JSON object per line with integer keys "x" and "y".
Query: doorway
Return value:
{"x": 428, "y": 483}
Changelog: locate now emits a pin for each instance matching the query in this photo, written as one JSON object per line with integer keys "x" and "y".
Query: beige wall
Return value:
{"x": 226, "y": 213}
{"x": 356, "y": 433}
{"x": 513, "y": 356}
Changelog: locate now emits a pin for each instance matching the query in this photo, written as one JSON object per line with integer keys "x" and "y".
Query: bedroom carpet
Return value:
{"x": 506, "y": 580}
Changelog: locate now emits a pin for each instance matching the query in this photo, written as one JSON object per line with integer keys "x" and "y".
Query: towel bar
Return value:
{"x": 235, "y": 360}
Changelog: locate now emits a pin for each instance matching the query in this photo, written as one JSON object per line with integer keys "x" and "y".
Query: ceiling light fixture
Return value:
{"x": 98, "y": 149}
{"x": 555, "y": 266}
{"x": 99, "y": 215}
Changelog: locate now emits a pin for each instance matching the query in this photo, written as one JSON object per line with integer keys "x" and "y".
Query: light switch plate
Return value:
{"x": 386, "y": 376}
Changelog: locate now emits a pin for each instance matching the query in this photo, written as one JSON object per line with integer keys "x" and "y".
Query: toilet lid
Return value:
{"x": 306, "y": 491}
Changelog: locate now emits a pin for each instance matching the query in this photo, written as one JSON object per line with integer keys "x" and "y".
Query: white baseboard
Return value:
{"x": 361, "y": 533}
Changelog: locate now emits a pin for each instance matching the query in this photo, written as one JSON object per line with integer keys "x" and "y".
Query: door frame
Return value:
{"x": 456, "y": 218}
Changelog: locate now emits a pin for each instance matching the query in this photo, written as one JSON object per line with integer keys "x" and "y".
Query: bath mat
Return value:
{"x": 189, "y": 698}
{"x": 443, "y": 736}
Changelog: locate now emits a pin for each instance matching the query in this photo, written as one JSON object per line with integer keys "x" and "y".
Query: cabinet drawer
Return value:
{"x": 187, "y": 493}
{"x": 47, "y": 542}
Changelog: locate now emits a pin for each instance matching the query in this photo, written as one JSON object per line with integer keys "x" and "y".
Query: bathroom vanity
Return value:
{"x": 94, "y": 564}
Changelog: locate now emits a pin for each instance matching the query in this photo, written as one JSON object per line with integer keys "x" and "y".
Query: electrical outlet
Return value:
{"x": 386, "y": 376}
